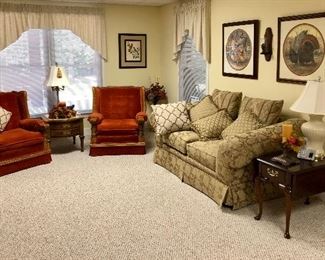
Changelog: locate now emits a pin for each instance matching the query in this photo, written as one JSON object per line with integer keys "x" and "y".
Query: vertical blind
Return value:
{"x": 192, "y": 72}
{"x": 25, "y": 65}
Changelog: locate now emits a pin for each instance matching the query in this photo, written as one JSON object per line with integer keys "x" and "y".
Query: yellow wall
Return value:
{"x": 169, "y": 68}
{"x": 223, "y": 11}
{"x": 132, "y": 19}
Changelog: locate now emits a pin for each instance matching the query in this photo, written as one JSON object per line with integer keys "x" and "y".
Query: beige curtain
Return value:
{"x": 86, "y": 22}
{"x": 193, "y": 19}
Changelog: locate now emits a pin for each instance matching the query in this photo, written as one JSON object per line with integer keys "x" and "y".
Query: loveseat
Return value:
{"x": 219, "y": 160}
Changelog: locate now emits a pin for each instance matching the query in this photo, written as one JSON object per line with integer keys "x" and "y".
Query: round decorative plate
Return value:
{"x": 303, "y": 49}
{"x": 238, "y": 49}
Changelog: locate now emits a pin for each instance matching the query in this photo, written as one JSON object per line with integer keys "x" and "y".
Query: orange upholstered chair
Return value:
{"x": 117, "y": 121}
{"x": 23, "y": 141}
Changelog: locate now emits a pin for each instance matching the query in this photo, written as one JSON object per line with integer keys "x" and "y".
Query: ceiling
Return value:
{"x": 120, "y": 2}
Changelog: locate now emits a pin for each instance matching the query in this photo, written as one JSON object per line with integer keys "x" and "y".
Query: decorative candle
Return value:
{"x": 286, "y": 131}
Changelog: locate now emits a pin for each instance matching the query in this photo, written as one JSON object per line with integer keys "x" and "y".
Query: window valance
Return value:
{"x": 193, "y": 20}
{"x": 86, "y": 22}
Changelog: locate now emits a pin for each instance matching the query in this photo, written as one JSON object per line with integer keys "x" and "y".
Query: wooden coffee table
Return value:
{"x": 302, "y": 180}
{"x": 68, "y": 127}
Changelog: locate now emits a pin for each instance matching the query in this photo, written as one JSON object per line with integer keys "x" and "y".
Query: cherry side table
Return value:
{"x": 302, "y": 180}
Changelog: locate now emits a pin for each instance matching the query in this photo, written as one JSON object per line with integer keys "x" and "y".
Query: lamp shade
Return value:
{"x": 57, "y": 77}
{"x": 312, "y": 99}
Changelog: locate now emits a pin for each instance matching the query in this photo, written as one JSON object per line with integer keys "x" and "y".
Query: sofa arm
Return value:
{"x": 141, "y": 117}
{"x": 95, "y": 118}
{"x": 238, "y": 151}
{"x": 33, "y": 124}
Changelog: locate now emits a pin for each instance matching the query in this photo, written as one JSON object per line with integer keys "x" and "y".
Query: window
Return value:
{"x": 25, "y": 65}
{"x": 192, "y": 73}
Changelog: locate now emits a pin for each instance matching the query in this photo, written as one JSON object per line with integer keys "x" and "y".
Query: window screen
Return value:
{"x": 192, "y": 73}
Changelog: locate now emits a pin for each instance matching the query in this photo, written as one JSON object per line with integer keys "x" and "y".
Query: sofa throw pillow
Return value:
{"x": 227, "y": 100}
{"x": 191, "y": 104}
{"x": 244, "y": 123}
{"x": 4, "y": 118}
{"x": 210, "y": 127}
{"x": 267, "y": 111}
{"x": 204, "y": 108}
{"x": 170, "y": 117}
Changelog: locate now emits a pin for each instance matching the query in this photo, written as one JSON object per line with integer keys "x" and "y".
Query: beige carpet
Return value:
{"x": 126, "y": 207}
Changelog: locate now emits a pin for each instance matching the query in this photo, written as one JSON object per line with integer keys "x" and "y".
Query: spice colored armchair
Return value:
{"x": 117, "y": 121}
{"x": 24, "y": 141}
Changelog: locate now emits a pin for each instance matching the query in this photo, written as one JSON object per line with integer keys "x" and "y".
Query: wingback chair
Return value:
{"x": 117, "y": 121}
{"x": 24, "y": 141}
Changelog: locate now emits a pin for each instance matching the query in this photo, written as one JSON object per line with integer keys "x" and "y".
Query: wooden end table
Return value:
{"x": 302, "y": 180}
{"x": 67, "y": 127}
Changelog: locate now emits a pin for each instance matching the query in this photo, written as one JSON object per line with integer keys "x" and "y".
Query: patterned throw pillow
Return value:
{"x": 4, "y": 118}
{"x": 171, "y": 117}
{"x": 204, "y": 108}
{"x": 210, "y": 127}
{"x": 267, "y": 111}
{"x": 227, "y": 100}
{"x": 244, "y": 123}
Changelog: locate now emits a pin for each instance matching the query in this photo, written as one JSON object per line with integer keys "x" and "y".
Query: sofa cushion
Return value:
{"x": 4, "y": 118}
{"x": 211, "y": 126}
{"x": 191, "y": 104}
{"x": 204, "y": 108}
{"x": 267, "y": 111}
{"x": 227, "y": 100}
{"x": 18, "y": 138}
{"x": 246, "y": 121}
{"x": 171, "y": 117}
{"x": 178, "y": 140}
{"x": 204, "y": 152}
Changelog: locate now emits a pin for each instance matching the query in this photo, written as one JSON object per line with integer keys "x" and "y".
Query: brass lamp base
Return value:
{"x": 57, "y": 89}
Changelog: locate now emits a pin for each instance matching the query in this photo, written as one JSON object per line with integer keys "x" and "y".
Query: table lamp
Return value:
{"x": 312, "y": 102}
{"x": 57, "y": 80}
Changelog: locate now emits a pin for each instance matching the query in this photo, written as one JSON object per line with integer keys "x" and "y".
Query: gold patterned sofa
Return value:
{"x": 221, "y": 164}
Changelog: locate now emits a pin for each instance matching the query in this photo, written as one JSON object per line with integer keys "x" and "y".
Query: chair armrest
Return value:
{"x": 95, "y": 118}
{"x": 141, "y": 117}
{"x": 33, "y": 124}
{"x": 238, "y": 151}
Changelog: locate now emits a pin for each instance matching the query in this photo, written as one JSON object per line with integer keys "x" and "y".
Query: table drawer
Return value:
{"x": 273, "y": 174}
{"x": 65, "y": 132}
{"x": 65, "y": 126}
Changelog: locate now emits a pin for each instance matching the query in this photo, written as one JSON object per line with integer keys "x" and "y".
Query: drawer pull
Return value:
{"x": 272, "y": 173}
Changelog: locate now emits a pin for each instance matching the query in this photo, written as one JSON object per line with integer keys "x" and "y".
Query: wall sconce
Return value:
{"x": 267, "y": 45}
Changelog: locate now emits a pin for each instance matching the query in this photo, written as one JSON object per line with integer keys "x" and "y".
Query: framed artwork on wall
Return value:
{"x": 301, "y": 48}
{"x": 240, "y": 49}
{"x": 132, "y": 50}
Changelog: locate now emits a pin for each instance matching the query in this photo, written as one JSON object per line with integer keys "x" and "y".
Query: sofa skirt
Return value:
{"x": 236, "y": 195}
{"x": 202, "y": 181}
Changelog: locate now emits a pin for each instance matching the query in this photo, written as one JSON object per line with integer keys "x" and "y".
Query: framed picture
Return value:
{"x": 132, "y": 50}
{"x": 240, "y": 49}
{"x": 301, "y": 48}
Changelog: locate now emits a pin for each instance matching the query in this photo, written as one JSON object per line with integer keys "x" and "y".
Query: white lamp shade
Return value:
{"x": 312, "y": 99}
{"x": 57, "y": 77}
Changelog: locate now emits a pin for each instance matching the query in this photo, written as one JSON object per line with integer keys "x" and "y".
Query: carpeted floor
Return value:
{"x": 126, "y": 207}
